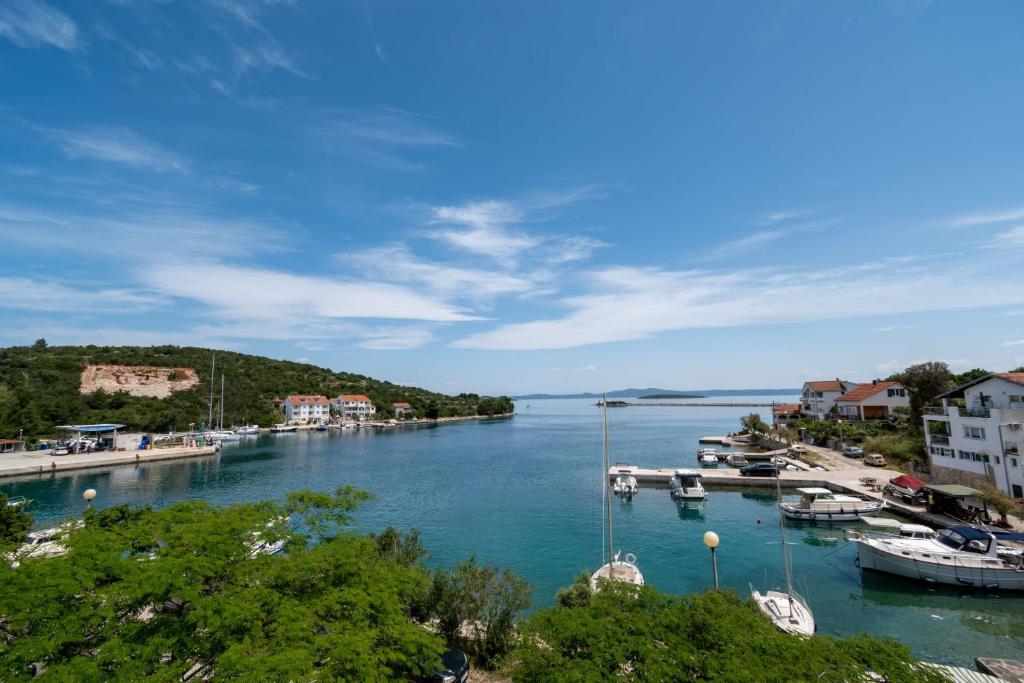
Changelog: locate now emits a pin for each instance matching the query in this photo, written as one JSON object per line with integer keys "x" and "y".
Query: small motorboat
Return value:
{"x": 821, "y": 505}
{"x": 283, "y": 428}
{"x": 222, "y": 435}
{"x": 321, "y": 428}
{"x": 906, "y": 486}
{"x": 247, "y": 429}
{"x": 736, "y": 460}
{"x": 625, "y": 483}
{"x": 707, "y": 455}
{"x": 686, "y": 485}
{"x": 17, "y": 502}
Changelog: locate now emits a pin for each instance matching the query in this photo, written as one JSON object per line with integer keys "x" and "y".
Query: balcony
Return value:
{"x": 975, "y": 411}
{"x": 935, "y": 410}
{"x": 939, "y": 439}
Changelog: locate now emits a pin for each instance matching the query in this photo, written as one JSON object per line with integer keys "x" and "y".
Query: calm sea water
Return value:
{"x": 525, "y": 493}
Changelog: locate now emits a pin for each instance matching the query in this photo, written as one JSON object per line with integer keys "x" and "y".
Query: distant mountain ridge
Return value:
{"x": 637, "y": 393}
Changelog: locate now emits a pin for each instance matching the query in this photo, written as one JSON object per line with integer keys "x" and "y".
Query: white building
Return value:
{"x": 354, "y": 407}
{"x": 401, "y": 409}
{"x": 978, "y": 431}
{"x": 306, "y": 409}
{"x": 874, "y": 401}
{"x": 818, "y": 398}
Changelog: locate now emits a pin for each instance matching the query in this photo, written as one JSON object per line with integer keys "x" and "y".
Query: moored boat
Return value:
{"x": 736, "y": 460}
{"x": 283, "y": 428}
{"x": 222, "y": 435}
{"x": 821, "y": 505}
{"x": 958, "y": 556}
{"x": 625, "y": 483}
{"x": 686, "y": 485}
{"x": 247, "y": 429}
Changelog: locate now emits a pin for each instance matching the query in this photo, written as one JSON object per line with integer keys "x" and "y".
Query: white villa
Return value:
{"x": 306, "y": 409}
{"x": 354, "y": 407}
{"x": 874, "y": 401}
{"x": 818, "y": 398}
{"x": 984, "y": 436}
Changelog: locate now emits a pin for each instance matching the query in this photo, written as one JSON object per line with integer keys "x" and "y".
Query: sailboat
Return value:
{"x": 221, "y": 434}
{"x": 618, "y": 568}
{"x": 788, "y": 611}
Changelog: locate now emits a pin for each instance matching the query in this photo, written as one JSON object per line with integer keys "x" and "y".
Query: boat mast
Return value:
{"x": 608, "y": 491}
{"x": 213, "y": 376}
{"x": 221, "y": 427}
{"x": 782, "y": 532}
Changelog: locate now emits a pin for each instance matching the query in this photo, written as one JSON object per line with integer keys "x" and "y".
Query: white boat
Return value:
{"x": 247, "y": 429}
{"x": 625, "y": 483}
{"x": 788, "y": 611}
{"x": 618, "y": 568}
{"x": 707, "y": 455}
{"x": 222, "y": 435}
{"x": 17, "y": 502}
{"x": 736, "y": 460}
{"x": 821, "y": 505}
{"x": 282, "y": 428}
{"x": 958, "y": 556}
{"x": 686, "y": 485}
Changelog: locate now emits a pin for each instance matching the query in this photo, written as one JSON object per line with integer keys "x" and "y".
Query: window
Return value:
{"x": 896, "y": 392}
{"x": 974, "y": 432}
{"x": 1013, "y": 461}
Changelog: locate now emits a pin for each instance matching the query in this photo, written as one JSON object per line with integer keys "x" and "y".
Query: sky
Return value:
{"x": 514, "y": 197}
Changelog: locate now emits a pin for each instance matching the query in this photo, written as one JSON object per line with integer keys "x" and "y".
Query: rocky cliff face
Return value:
{"x": 137, "y": 380}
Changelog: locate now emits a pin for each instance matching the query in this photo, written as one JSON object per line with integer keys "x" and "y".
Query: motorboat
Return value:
{"x": 893, "y": 527}
{"x": 788, "y": 611}
{"x": 906, "y": 486}
{"x": 618, "y": 568}
{"x": 284, "y": 428}
{"x": 686, "y": 485}
{"x": 247, "y": 429}
{"x": 736, "y": 460}
{"x": 707, "y": 456}
{"x": 320, "y": 428}
{"x": 625, "y": 483}
{"x": 958, "y": 556}
{"x": 17, "y": 501}
{"x": 222, "y": 435}
{"x": 821, "y": 505}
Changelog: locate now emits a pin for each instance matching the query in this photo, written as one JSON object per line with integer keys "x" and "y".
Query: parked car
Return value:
{"x": 853, "y": 451}
{"x": 761, "y": 469}
{"x": 454, "y": 668}
{"x": 875, "y": 459}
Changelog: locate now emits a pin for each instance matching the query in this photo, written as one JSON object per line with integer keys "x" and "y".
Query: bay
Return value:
{"x": 525, "y": 493}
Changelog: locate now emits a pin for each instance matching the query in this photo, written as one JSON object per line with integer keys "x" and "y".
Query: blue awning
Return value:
{"x": 90, "y": 428}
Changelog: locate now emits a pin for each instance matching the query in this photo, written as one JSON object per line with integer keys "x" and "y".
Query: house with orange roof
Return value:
{"x": 354, "y": 407}
{"x": 977, "y": 434}
{"x": 818, "y": 397}
{"x": 401, "y": 409}
{"x": 306, "y": 409}
{"x": 873, "y": 401}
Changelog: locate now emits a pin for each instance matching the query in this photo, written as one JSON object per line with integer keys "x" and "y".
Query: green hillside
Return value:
{"x": 39, "y": 388}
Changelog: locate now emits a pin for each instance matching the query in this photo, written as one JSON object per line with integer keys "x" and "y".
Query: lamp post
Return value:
{"x": 711, "y": 541}
{"x": 88, "y": 495}
{"x": 840, "y": 423}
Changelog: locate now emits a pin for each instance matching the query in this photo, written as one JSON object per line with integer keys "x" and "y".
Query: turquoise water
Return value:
{"x": 526, "y": 493}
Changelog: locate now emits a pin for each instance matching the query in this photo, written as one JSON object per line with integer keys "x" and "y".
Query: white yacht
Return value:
{"x": 247, "y": 429}
{"x": 625, "y": 483}
{"x": 708, "y": 455}
{"x": 958, "y": 556}
{"x": 222, "y": 435}
{"x": 618, "y": 568}
{"x": 788, "y": 611}
{"x": 686, "y": 485}
{"x": 821, "y": 505}
{"x": 736, "y": 460}
{"x": 283, "y": 428}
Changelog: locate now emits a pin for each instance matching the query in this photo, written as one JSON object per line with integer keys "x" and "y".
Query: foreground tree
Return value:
{"x": 924, "y": 381}
{"x": 621, "y": 634}
{"x": 14, "y": 522}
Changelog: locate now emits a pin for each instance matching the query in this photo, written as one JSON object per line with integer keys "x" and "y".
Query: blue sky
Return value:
{"x": 515, "y": 197}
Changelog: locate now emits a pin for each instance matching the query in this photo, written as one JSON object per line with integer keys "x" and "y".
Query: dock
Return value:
{"x": 43, "y": 463}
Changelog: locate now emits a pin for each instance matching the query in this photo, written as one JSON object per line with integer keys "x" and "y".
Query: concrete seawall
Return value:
{"x": 44, "y": 462}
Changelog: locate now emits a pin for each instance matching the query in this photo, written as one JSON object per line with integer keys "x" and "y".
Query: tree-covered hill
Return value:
{"x": 39, "y": 388}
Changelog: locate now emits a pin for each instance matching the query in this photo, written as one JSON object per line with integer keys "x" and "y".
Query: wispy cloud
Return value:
{"x": 49, "y": 296}
{"x": 894, "y": 328}
{"x": 33, "y": 23}
{"x": 970, "y": 220}
{"x": 625, "y": 303}
{"x": 383, "y": 138}
{"x": 116, "y": 145}
{"x": 1014, "y": 237}
{"x": 1016, "y": 342}
{"x": 746, "y": 244}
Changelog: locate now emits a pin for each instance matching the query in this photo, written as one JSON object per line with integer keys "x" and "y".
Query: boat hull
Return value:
{"x": 830, "y": 516}
{"x": 790, "y": 615}
{"x": 626, "y": 572}
{"x": 933, "y": 567}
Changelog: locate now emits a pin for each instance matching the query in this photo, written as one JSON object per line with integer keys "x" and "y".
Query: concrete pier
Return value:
{"x": 45, "y": 462}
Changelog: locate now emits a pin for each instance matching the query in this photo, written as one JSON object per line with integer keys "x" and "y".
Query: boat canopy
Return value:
{"x": 91, "y": 429}
{"x": 815, "y": 491}
{"x": 882, "y": 522}
{"x": 971, "y": 533}
{"x": 688, "y": 473}
{"x": 907, "y": 481}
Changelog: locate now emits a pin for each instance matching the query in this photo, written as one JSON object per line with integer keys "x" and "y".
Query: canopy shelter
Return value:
{"x": 957, "y": 501}
{"x": 97, "y": 430}
{"x": 907, "y": 481}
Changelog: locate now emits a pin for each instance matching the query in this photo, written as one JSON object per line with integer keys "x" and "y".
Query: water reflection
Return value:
{"x": 690, "y": 510}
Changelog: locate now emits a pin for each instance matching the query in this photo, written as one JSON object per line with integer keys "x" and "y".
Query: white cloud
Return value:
{"x": 894, "y": 328}
{"x": 251, "y": 294}
{"x": 321, "y": 334}
{"x": 384, "y": 138}
{"x": 44, "y": 295}
{"x": 1014, "y": 237}
{"x": 33, "y": 23}
{"x": 746, "y": 244}
{"x": 1016, "y": 342}
{"x": 634, "y": 303}
{"x": 985, "y": 218}
{"x": 116, "y": 145}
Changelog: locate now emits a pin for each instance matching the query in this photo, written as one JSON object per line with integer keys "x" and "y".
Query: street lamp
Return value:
{"x": 840, "y": 423}
{"x": 711, "y": 541}
{"x": 89, "y": 494}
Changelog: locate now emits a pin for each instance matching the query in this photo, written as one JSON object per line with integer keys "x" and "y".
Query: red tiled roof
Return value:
{"x": 306, "y": 400}
{"x": 864, "y": 391}
{"x": 826, "y": 385}
{"x": 354, "y": 397}
{"x": 400, "y": 405}
{"x": 1016, "y": 377}
{"x": 786, "y": 409}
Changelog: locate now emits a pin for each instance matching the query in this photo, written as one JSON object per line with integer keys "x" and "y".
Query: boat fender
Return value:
{"x": 631, "y": 558}
{"x": 856, "y": 562}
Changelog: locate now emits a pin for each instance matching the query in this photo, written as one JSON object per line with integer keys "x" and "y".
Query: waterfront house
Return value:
{"x": 874, "y": 401}
{"x": 818, "y": 398}
{"x": 354, "y": 407}
{"x": 307, "y": 409}
{"x": 11, "y": 446}
{"x": 401, "y": 409}
{"x": 977, "y": 434}
{"x": 784, "y": 413}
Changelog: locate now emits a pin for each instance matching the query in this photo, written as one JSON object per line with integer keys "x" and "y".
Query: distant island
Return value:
{"x": 651, "y": 396}
{"x": 655, "y": 392}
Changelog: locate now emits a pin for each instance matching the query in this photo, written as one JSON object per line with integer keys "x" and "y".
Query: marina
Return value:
{"x": 526, "y": 493}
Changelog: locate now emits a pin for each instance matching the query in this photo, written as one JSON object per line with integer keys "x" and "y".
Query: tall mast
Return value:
{"x": 608, "y": 491}
{"x": 213, "y": 376}
{"x": 782, "y": 532}
{"x": 221, "y": 427}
